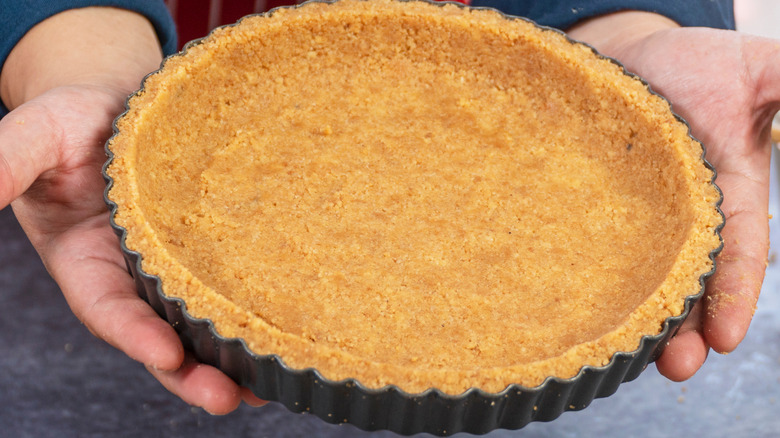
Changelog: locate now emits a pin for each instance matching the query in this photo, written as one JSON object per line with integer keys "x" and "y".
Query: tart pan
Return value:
{"x": 390, "y": 408}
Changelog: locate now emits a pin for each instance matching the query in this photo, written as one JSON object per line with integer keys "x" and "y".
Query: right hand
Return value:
{"x": 51, "y": 154}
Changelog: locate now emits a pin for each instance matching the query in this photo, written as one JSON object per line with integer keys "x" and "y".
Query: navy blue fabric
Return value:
{"x": 562, "y": 14}
{"x": 19, "y": 16}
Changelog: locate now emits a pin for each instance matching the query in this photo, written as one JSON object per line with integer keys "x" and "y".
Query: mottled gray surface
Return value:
{"x": 58, "y": 380}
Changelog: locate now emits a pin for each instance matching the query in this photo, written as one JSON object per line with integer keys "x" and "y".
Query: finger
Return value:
{"x": 742, "y": 156}
{"x": 28, "y": 148}
{"x": 201, "y": 385}
{"x": 683, "y": 357}
{"x": 87, "y": 264}
{"x": 251, "y": 399}
{"x": 686, "y": 351}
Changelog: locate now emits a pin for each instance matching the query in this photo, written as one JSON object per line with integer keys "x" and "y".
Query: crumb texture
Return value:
{"x": 413, "y": 194}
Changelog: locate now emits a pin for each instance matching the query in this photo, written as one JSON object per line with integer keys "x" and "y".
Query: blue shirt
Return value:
{"x": 562, "y": 14}
{"x": 19, "y": 16}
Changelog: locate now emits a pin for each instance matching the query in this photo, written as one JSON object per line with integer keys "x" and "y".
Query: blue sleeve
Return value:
{"x": 562, "y": 14}
{"x": 19, "y": 16}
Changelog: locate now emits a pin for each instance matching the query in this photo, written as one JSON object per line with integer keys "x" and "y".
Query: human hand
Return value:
{"x": 51, "y": 153}
{"x": 727, "y": 86}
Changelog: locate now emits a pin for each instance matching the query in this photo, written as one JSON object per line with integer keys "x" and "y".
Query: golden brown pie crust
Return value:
{"x": 412, "y": 194}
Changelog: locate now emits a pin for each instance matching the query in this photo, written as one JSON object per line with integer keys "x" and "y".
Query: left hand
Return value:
{"x": 727, "y": 86}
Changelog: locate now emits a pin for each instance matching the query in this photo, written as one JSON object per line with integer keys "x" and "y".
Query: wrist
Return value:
{"x": 96, "y": 46}
{"x": 614, "y": 34}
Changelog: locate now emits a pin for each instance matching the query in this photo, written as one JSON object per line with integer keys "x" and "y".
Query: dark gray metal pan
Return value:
{"x": 390, "y": 408}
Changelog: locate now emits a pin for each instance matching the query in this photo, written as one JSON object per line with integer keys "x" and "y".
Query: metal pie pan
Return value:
{"x": 390, "y": 408}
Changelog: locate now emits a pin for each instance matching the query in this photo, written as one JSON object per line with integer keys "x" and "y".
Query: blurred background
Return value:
{"x": 58, "y": 380}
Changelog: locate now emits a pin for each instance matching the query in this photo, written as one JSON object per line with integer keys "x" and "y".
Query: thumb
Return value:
{"x": 732, "y": 293}
{"x": 29, "y": 140}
